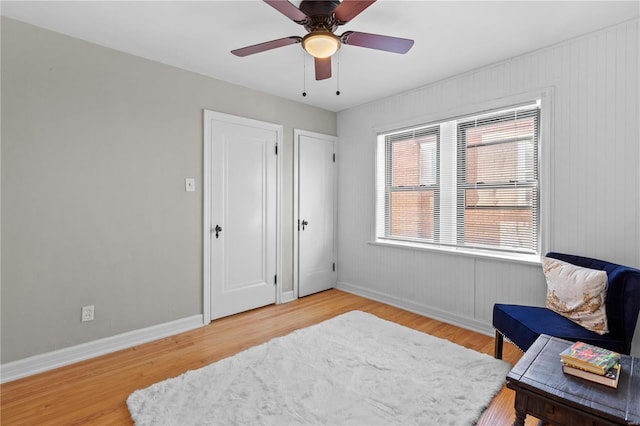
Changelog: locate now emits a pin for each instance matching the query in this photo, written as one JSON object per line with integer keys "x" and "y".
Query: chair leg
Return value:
{"x": 498, "y": 346}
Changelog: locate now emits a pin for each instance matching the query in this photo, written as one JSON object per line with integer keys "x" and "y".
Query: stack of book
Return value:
{"x": 592, "y": 363}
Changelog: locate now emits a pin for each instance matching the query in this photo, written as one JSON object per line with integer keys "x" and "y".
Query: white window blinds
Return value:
{"x": 469, "y": 182}
{"x": 497, "y": 171}
{"x": 411, "y": 184}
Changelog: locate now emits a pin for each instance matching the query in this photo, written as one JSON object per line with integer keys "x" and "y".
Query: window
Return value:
{"x": 412, "y": 184}
{"x": 470, "y": 182}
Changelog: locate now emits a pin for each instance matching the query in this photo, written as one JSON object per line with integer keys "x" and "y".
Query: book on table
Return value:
{"x": 590, "y": 358}
{"x": 610, "y": 378}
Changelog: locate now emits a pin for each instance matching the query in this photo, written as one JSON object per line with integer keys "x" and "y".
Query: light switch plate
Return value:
{"x": 189, "y": 184}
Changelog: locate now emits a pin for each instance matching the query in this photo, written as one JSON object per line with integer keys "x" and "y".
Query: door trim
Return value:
{"x": 208, "y": 116}
{"x": 296, "y": 210}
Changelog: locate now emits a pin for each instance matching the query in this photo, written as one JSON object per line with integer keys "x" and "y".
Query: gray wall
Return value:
{"x": 95, "y": 148}
{"x": 594, "y": 186}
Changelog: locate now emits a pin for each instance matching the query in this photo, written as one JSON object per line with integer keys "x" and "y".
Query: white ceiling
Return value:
{"x": 450, "y": 37}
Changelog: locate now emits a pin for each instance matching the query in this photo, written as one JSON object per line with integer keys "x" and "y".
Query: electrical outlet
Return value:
{"x": 87, "y": 313}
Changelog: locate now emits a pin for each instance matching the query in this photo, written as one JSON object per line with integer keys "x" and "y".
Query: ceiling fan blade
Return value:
{"x": 349, "y": 9}
{"x": 377, "y": 41}
{"x": 323, "y": 68}
{"x": 288, "y": 9}
{"x": 267, "y": 45}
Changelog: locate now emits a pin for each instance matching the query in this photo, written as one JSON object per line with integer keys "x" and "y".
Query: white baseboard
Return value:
{"x": 418, "y": 308}
{"x": 287, "y": 296}
{"x": 48, "y": 361}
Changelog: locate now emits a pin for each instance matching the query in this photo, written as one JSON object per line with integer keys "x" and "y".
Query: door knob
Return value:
{"x": 218, "y": 229}
{"x": 304, "y": 223}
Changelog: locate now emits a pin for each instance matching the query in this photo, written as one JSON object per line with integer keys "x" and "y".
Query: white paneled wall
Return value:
{"x": 594, "y": 179}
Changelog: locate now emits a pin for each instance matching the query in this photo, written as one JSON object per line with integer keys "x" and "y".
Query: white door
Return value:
{"x": 315, "y": 221}
{"x": 243, "y": 223}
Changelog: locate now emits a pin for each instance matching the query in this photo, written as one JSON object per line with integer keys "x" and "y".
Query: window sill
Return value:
{"x": 528, "y": 259}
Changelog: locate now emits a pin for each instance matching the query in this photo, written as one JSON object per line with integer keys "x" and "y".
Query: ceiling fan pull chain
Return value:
{"x": 304, "y": 74}
{"x": 338, "y": 75}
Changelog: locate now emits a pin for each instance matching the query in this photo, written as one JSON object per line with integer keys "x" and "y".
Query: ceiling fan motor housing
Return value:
{"x": 320, "y": 15}
{"x": 318, "y": 8}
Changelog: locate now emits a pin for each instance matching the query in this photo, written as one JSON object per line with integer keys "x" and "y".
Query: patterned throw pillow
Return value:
{"x": 577, "y": 293}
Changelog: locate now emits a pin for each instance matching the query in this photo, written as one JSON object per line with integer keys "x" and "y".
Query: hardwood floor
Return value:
{"x": 95, "y": 391}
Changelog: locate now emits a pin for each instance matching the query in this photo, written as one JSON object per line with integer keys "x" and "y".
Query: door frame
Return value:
{"x": 296, "y": 198}
{"x": 208, "y": 116}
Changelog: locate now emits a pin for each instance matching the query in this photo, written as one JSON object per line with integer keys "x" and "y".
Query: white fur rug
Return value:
{"x": 354, "y": 369}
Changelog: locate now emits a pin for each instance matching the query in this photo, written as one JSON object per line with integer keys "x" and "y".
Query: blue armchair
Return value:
{"x": 523, "y": 324}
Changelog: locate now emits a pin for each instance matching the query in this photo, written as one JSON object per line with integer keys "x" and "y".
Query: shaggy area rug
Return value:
{"x": 354, "y": 369}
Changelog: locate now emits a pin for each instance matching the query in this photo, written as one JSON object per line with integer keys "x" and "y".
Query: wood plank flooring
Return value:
{"x": 94, "y": 392}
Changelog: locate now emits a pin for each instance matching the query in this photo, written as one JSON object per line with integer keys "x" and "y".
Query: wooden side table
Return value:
{"x": 545, "y": 392}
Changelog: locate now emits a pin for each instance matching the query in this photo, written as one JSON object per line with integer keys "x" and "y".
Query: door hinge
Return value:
{"x": 334, "y": 266}
{"x": 275, "y": 279}
{"x": 276, "y": 149}
{"x": 334, "y": 157}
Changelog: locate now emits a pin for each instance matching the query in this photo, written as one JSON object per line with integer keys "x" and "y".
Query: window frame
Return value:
{"x": 544, "y": 97}
{"x": 390, "y": 139}
{"x": 462, "y": 185}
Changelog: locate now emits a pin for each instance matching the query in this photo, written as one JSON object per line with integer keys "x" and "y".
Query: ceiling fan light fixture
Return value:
{"x": 321, "y": 44}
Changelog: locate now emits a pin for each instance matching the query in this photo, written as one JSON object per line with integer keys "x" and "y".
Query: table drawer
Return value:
{"x": 560, "y": 414}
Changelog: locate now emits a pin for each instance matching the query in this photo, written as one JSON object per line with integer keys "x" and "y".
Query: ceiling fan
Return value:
{"x": 321, "y": 19}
